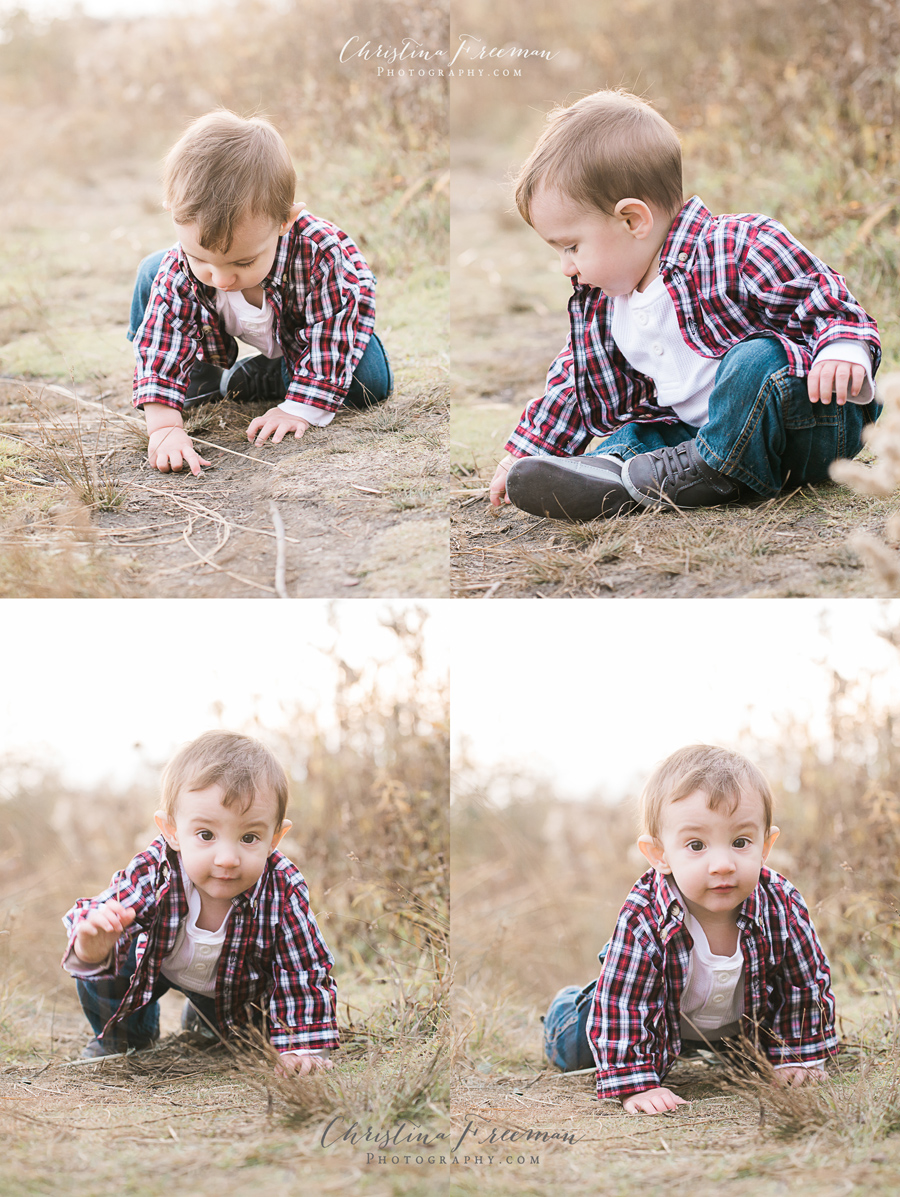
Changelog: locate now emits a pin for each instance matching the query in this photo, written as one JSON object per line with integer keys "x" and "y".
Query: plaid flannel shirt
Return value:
{"x": 273, "y": 955}
{"x": 634, "y": 1027}
{"x": 730, "y": 277}
{"x": 323, "y": 295}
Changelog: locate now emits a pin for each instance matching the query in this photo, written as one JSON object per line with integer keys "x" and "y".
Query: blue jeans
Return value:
{"x": 762, "y": 430}
{"x": 373, "y": 379}
{"x": 101, "y": 997}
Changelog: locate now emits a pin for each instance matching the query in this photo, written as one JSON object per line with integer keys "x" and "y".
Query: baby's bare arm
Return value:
{"x": 99, "y": 931}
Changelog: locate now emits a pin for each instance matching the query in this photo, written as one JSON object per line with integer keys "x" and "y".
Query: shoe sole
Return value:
{"x": 576, "y": 492}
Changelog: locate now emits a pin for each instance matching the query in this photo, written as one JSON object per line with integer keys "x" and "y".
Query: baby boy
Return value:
{"x": 249, "y": 263}
{"x": 213, "y": 909}
{"x": 717, "y": 357}
{"x": 710, "y": 945}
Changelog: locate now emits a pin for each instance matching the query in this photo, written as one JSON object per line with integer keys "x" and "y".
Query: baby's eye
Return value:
{"x": 245, "y": 265}
{"x": 695, "y": 845}
{"x": 570, "y": 249}
{"x": 250, "y": 838}
{"x": 206, "y": 836}
{"x": 741, "y": 842}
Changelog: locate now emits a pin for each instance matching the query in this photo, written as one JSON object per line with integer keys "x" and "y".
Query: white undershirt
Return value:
{"x": 713, "y": 996}
{"x": 193, "y": 961}
{"x": 646, "y": 331}
{"x": 256, "y": 326}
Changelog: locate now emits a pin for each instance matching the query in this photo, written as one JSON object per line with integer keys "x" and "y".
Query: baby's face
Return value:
{"x": 715, "y": 856}
{"x": 601, "y": 250}
{"x": 223, "y": 849}
{"x": 249, "y": 257}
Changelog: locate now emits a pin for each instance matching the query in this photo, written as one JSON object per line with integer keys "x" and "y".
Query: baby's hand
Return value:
{"x": 652, "y": 1101}
{"x": 842, "y": 378}
{"x": 99, "y": 930}
{"x": 278, "y": 422}
{"x": 785, "y": 1077}
{"x": 498, "y": 482}
{"x": 170, "y": 448}
{"x": 301, "y": 1065}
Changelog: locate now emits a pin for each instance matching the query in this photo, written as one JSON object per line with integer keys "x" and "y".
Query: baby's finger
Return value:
{"x": 859, "y": 377}
{"x": 300, "y": 431}
{"x": 841, "y": 381}
{"x": 279, "y": 434}
{"x": 253, "y": 426}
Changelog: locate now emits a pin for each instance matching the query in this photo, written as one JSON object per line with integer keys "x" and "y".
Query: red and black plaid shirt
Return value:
{"x": 323, "y": 295}
{"x": 635, "y": 1026}
{"x": 730, "y": 278}
{"x": 273, "y": 956}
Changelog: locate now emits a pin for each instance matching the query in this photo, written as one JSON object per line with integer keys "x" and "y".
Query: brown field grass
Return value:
{"x": 807, "y": 138}
{"x": 369, "y": 800}
{"x": 363, "y": 504}
{"x": 537, "y": 886}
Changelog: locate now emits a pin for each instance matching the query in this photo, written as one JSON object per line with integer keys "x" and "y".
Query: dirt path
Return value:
{"x": 363, "y": 503}
{"x": 508, "y": 313}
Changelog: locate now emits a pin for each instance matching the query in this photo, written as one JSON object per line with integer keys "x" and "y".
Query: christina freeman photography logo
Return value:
{"x": 409, "y": 59}
{"x": 407, "y": 1144}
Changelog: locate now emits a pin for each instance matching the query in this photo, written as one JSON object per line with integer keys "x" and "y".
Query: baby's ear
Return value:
{"x": 654, "y": 852}
{"x": 168, "y": 829}
{"x": 280, "y": 834}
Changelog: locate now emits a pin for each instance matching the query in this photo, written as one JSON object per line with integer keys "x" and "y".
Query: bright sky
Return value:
{"x": 86, "y": 681}
{"x": 591, "y": 694}
{"x": 101, "y": 8}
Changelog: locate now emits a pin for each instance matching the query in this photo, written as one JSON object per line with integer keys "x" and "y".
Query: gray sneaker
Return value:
{"x": 192, "y": 1022}
{"x": 570, "y": 488}
{"x": 677, "y": 476}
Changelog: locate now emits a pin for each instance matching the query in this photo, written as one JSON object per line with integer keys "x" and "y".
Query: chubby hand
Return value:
{"x": 301, "y": 1065}
{"x": 787, "y": 1077}
{"x": 842, "y": 378}
{"x": 652, "y": 1101}
{"x": 498, "y": 482}
{"x": 170, "y": 448}
{"x": 277, "y": 424}
{"x": 100, "y": 929}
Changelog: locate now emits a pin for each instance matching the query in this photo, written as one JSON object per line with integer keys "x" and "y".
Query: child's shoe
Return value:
{"x": 193, "y": 1023}
{"x": 569, "y": 488}
{"x": 677, "y": 476}
{"x": 204, "y": 385}
{"x": 255, "y": 379}
{"x": 109, "y": 1045}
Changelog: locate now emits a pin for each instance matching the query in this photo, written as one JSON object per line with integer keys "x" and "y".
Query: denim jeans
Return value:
{"x": 762, "y": 430}
{"x": 373, "y": 379}
{"x": 101, "y": 997}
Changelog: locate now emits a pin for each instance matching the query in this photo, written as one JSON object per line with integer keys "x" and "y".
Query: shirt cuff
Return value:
{"x": 850, "y": 351}
{"x": 820, "y": 1064}
{"x": 324, "y": 1052}
{"x": 312, "y": 415}
{"x": 76, "y": 967}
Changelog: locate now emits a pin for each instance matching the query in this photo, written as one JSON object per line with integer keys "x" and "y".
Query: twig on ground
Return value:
{"x": 278, "y": 524}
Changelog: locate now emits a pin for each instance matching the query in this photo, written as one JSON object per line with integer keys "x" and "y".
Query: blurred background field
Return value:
{"x": 88, "y": 107}
{"x": 368, "y": 761}
{"x": 784, "y": 108}
{"x": 544, "y": 855}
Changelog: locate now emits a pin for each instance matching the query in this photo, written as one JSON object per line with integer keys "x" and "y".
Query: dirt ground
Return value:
{"x": 720, "y": 1141}
{"x": 509, "y": 320}
{"x": 180, "y": 1117}
{"x": 362, "y": 503}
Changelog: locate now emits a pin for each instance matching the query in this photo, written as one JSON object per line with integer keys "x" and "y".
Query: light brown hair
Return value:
{"x": 224, "y": 168}
{"x": 718, "y": 772}
{"x": 606, "y": 147}
{"x": 242, "y": 766}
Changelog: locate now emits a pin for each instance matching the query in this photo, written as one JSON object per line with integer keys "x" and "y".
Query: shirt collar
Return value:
{"x": 665, "y": 901}
{"x": 678, "y": 250}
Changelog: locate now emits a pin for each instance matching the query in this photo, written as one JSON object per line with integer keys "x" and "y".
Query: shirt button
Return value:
{"x": 721, "y": 976}
{"x": 719, "y": 999}
{"x": 657, "y": 348}
{"x": 682, "y": 257}
{"x": 642, "y": 317}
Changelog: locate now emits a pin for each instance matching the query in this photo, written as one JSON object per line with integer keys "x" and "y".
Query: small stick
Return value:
{"x": 577, "y": 1072}
{"x": 233, "y": 452}
{"x": 368, "y": 489}
{"x": 278, "y": 525}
